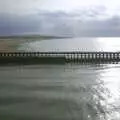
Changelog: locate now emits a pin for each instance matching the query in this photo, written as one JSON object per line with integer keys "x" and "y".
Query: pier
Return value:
{"x": 57, "y": 57}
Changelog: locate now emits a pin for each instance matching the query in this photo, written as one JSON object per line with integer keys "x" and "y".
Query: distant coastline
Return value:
{"x": 10, "y": 43}
{"x": 31, "y": 37}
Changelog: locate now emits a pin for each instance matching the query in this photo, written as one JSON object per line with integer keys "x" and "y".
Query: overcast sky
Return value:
{"x": 60, "y": 17}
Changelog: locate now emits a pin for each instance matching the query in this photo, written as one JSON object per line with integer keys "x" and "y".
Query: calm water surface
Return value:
{"x": 60, "y": 92}
{"x": 73, "y": 44}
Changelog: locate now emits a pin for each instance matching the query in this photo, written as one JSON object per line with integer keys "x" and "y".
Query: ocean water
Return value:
{"x": 73, "y": 44}
{"x": 62, "y": 92}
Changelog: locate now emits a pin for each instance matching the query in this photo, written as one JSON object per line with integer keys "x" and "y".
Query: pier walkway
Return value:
{"x": 75, "y": 56}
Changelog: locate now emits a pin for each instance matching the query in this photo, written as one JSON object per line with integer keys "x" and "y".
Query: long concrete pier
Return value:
{"x": 76, "y": 56}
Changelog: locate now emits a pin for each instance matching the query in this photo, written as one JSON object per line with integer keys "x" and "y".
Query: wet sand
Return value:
{"x": 11, "y": 43}
{"x": 8, "y": 45}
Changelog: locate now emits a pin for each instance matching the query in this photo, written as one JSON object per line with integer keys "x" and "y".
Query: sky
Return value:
{"x": 60, "y": 17}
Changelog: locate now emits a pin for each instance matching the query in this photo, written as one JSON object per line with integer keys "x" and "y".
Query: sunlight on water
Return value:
{"x": 65, "y": 92}
{"x": 109, "y": 44}
{"x": 73, "y": 44}
{"x": 111, "y": 80}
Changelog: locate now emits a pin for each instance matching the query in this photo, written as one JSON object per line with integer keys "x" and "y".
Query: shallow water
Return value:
{"x": 60, "y": 92}
{"x": 73, "y": 44}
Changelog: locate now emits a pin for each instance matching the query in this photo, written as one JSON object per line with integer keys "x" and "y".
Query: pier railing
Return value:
{"x": 75, "y": 56}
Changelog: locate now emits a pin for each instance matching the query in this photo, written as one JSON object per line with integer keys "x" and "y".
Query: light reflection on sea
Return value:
{"x": 60, "y": 92}
{"x": 73, "y": 44}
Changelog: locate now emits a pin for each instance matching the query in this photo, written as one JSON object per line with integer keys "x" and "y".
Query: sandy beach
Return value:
{"x": 8, "y": 45}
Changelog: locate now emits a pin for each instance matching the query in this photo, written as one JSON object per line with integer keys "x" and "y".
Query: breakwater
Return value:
{"x": 58, "y": 57}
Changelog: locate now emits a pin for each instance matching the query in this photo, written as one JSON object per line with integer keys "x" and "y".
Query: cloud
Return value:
{"x": 32, "y": 6}
{"x": 89, "y": 22}
{"x": 60, "y": 17}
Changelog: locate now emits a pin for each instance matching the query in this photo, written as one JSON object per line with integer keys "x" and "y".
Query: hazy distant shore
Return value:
{"x": 30, "y": 37}
{"x": 10, "y": 43}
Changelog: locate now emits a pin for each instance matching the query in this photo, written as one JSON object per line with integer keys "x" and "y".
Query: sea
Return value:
{"x": 62, "y": 92}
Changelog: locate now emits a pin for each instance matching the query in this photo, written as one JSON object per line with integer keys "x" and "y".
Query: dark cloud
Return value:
{"x": 61, "y": 24}
{"x": 10, "y": 24}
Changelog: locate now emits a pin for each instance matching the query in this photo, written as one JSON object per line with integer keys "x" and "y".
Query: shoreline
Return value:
{"x": 9, "y": 45}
